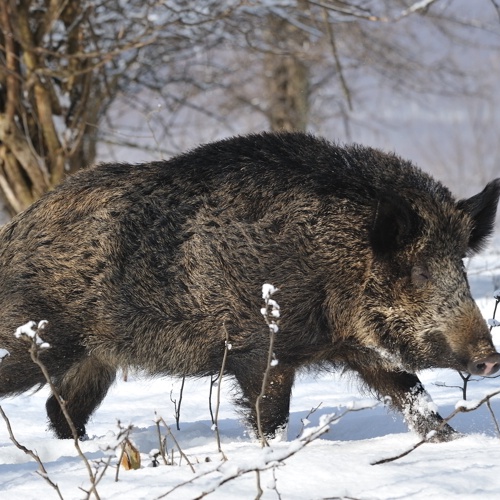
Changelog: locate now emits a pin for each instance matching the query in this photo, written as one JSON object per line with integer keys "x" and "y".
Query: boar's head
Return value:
{"x": 418, "y": 297}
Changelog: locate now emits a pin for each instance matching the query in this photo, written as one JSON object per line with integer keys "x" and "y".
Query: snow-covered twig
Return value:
{"x": 304, "y": 421}
{"x": 270, "y": 457}
{"x": 30, "y": 332}
{"x": 367, "y": 15}
{"x": 271, "y": 313}
{"x": 213, "y": 382}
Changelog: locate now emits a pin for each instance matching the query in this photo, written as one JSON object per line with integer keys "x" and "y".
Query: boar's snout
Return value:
{"x": 485, "y": 366}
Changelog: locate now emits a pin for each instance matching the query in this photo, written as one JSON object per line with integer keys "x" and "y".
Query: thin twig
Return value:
{"x": 123, "y": 437}
{"x": 270, "y": 460}
{"x": 311, "y": 411}
{"x": 260, "y": 492}
{"x": 62, "y": 404}
{"x": 497, "y": 7}
{"x": 177, "y": 406}
{"x": 493, "y": 416}
{"x": 177, "y": 445}
{"x": 465, "y": 379}
{"x": 163, "y": 445}
{"x": 41, "y": 468}
{"x": 213, "y": 380}
{"x": 34, "y": 351}
{"x": 336, "y": 58}
{"x": 267, "y": 291}
{"x": 227, "y": 347}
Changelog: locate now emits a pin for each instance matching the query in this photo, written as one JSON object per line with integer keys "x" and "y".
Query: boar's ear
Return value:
{"x": 395, "y": 224}
{"x": 482, "y": 208}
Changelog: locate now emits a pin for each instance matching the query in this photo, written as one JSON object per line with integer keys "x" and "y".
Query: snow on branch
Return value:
{"x": 366, "y": 14}
{"x": 30, "y": 331}
{"x": 268, "y": 458}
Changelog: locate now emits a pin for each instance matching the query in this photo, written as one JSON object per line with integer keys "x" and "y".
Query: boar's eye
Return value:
{"x": 420, "y": 275}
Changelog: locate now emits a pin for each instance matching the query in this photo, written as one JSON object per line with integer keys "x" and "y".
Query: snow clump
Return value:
{"x": 30, "y": 330}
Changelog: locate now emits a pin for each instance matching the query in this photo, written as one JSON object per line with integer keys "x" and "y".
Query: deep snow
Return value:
{"x": 338, "y": 464}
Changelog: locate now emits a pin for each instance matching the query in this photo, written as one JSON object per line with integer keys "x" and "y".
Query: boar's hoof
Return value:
{"x": 485, "y": 366}
{"x": 447, "y": 433}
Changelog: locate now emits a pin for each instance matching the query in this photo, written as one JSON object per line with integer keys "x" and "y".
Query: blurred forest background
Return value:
{"x": 133, "y": 80}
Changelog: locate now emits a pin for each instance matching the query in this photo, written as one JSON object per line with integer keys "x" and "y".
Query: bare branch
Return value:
{"x": 338, "y": 64}
{"x": 227, "y": 347}
{"x": 271, "y": 457}
{"x": 272, "y": 325}
{"x": 169, "y": 431}
{"x": 41, "y": 468}
{"x": 34, "y": 351}
{"x": 496, "y": 6}
{"x": 365, "y": 14}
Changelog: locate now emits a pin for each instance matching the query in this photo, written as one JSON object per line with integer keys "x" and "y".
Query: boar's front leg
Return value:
{"x": 408, "y": 395}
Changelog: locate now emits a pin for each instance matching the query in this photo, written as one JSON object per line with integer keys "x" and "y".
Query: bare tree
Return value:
{"x": 311, "y": 63}
{"x": 68, "y": 68}
{"x": 63, "y": 62}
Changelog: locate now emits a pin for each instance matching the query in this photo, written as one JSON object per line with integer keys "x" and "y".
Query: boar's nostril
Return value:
{"x": 486, "y": 366}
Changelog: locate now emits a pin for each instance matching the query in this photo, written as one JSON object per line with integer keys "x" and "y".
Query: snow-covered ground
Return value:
{"x": 337, "y": 464}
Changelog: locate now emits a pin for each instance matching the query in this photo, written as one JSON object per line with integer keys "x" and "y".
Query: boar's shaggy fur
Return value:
{"x": 151, "y": 266}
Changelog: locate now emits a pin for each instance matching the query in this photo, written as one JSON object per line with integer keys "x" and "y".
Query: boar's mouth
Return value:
{"x": 486, "y": 366}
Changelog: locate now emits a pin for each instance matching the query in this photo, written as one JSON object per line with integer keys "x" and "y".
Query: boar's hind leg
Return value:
{"x": 408, "y": 395}
{"x": 83, "y": 388}
{"x": 275, "y": 405}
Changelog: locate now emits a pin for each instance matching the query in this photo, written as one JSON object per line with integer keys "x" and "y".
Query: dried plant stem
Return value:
{"x": 465, "y": 379}
{"x": 177, "y": 405}
{"x": 260, "y": 492}
{"x": 493, "y": 416}
{"x": 267, "y": 292}
{"x": 123, "y": 438}
{"x": 169, "y": 431}
{"x": 217, "y": 405}
{"x": 262, "y": 437}
{"x": 213, "y": 380}
{"x": 41, "y": 468}
{"x": 270, "y": 462}
{"x": 34, "y": 351}
{"x": 120, "y": 458}
{"x": 163, "y": 445}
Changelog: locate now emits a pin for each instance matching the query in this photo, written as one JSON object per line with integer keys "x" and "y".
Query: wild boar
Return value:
{"x": 153, "y": 266}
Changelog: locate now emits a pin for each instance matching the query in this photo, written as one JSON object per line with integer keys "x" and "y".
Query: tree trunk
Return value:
{"x": 288, "y": 76}
{"x": 44, "y": 113}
